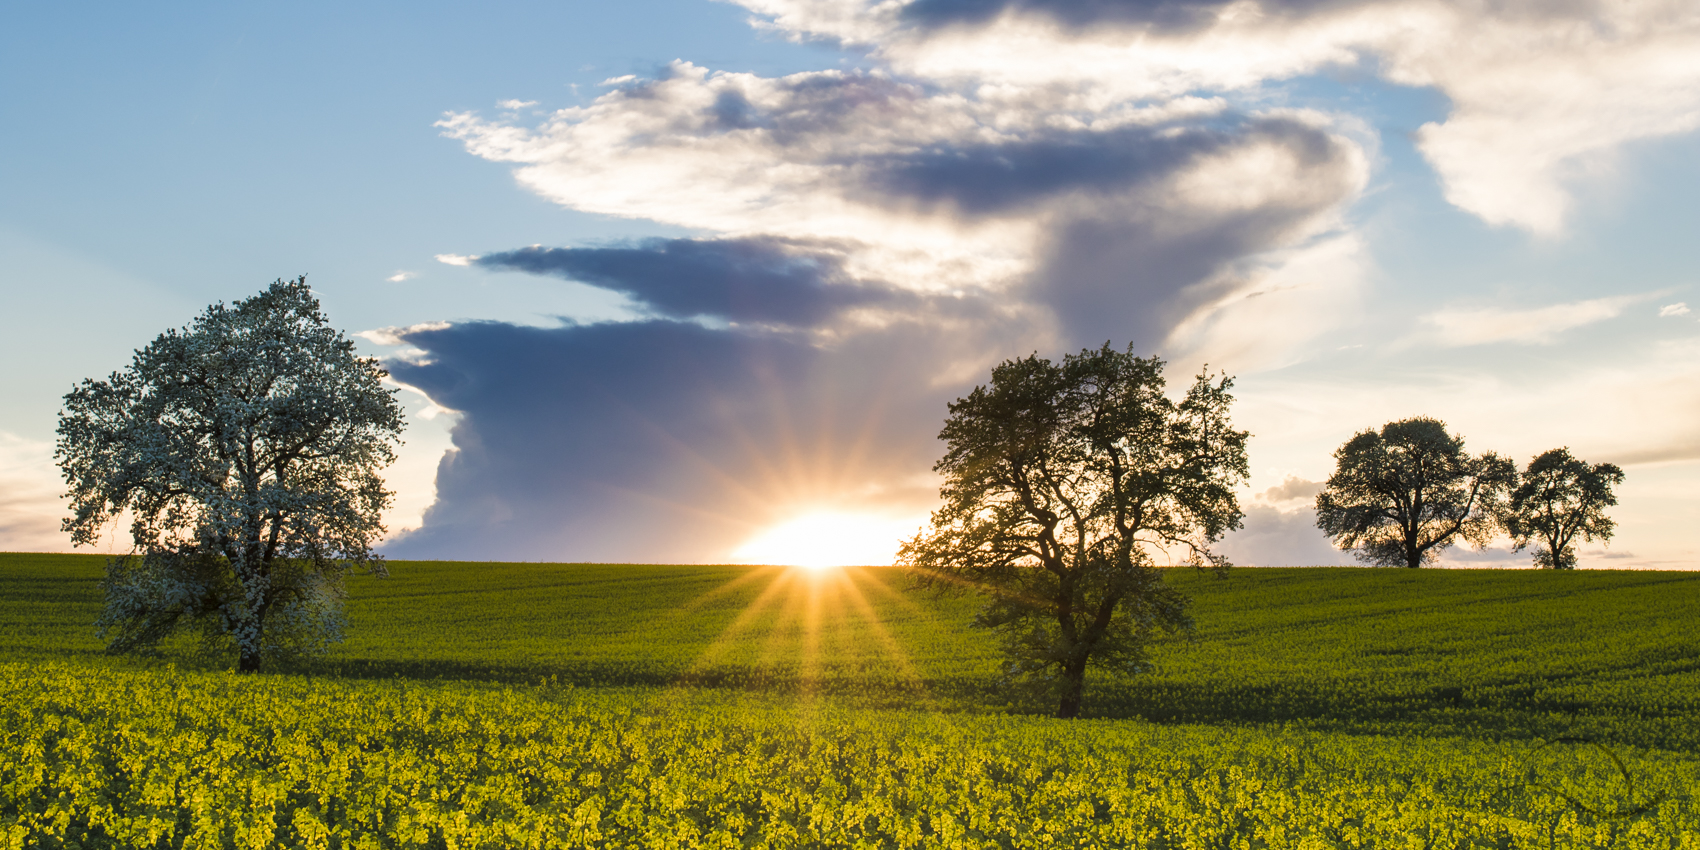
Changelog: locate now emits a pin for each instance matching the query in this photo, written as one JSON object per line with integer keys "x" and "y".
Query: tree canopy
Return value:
{"x": 1066, "y": 486}
{"x": 1401, "y": 495}
{"x": 1557, "y": 498}
{"x": 245, "y": 450}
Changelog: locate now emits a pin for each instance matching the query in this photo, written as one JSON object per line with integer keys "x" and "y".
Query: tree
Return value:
{"x": 245, "y": 449}
{"x": 1400, "y": 496}
{"x": 1557, "y": 498}
{"x": 1065, "y": 486}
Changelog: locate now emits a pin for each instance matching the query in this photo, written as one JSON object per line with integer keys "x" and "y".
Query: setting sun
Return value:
{"x": 828, "y": 539}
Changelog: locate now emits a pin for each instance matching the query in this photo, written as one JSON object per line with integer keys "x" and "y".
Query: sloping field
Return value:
{"x": 602, "y": 705}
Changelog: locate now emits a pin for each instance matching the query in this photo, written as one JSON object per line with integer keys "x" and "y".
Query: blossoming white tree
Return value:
{"x": 246, "y": 449}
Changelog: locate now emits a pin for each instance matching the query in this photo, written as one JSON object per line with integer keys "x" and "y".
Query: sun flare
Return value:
{"x": 818, "y": 541}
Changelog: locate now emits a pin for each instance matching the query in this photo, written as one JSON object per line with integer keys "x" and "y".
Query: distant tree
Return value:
{"x": 1401, "y": 495}
{"x": 1557, "y": 498}
{"x": 245, "y": 449}
{"x": 1065, "y": 487}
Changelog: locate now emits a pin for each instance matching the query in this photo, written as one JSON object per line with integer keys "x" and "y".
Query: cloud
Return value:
{"x": 872, "y": 246}
{"x": 398, "y": 277}
{"x": 31, "y": 500}
{"x": 669, "y": 441}
{"x": 1541, "y": 92}
{"x": 515, "y": 104}
{"x": 752, "y": 279}
{"x": 455, "y": 259}
{"x": 1293, "y": 488}
{"x": 1089, "y": 216}
{"x": 1531, "y": 326}
{"x": 1677, "y": 309}
{"x": 1275, "y": 538}
{"x": 1277, "y": 308}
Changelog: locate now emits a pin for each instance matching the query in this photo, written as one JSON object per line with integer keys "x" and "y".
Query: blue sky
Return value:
{"x": 1364, "y": 211}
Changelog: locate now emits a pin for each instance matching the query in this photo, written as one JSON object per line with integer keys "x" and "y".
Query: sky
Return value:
{"x": 692, "y": 281}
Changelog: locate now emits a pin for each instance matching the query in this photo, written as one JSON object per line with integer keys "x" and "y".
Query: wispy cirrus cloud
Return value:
{"x": 1530, "y": 325}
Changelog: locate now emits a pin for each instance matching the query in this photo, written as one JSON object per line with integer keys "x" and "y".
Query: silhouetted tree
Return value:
{"x": 1558, "y": 497}
{"x": 246, "y": 448}
{"x": 1400, "y": 495}
{"x": 1065, "y": 486}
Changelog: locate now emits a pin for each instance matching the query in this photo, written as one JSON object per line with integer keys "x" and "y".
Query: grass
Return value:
{"x": 1613, "y": 655}
{"x": 504, "y": 705}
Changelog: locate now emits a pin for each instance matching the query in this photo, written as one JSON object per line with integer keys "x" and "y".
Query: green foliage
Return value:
{"x": 1066, "y": 486}
{"x": 177, "y": 759}
{"x": 1400, "y": 496}
{"x": 1557, "y": 498}
{"x": 246, "y": 450}
{"x": 515, "y": 705}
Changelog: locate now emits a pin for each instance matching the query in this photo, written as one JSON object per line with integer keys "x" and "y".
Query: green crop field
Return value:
{"x": 548, "y": 705}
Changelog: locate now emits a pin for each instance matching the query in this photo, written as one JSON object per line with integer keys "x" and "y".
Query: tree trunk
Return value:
{"x": 1074, "y": 684}
{"x": 248, "y": 657}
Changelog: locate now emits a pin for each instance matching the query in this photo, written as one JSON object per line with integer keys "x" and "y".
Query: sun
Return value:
{"x": 826, "y": 539}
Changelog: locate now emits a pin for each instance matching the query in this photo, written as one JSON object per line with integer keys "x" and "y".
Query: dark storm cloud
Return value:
{"x": 740, "y": 280}
{"x": 993, "y": 179}
{"x": 1161, "y": 15}
{"x": 1124, "y": 260}
{"x": 662, "y": 440}
{"x": 665, "y": 440}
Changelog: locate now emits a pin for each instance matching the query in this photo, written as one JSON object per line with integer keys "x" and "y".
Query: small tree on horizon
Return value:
{"x": 1066, "y": 485}
{"x": 246, "y": 449}
{"x": 1558, "y": 497}
{"x": 1401, "y": 495}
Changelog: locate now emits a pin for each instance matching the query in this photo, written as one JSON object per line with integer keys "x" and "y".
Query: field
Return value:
{"x": 540, "y": 705}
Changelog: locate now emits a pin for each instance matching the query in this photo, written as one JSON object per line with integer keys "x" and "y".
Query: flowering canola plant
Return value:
{"x": 95, "y": 756}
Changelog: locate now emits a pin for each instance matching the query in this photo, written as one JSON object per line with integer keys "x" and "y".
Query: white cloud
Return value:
{"x": 393, "y": 336}
{"x": 1293, "y": 488}
{"x": 1283, "y": 306}
{"x": 398, "y": 277}
{"x": 1540, "y": 93}
{"x": 31, "y": 500}
{"x": 944, "y": 191}
{"x": 515, "y": 104}
{"x": 455, "y": 259}
{"x": 1272, "y": 537}
{"x": 1677, "y": 309}
{"x": 1532, "y": 326}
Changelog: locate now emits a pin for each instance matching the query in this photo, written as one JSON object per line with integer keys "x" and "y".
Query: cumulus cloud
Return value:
{"x": 1012, "y": 175}
{"x": 1540, "y": 92}
{"x": 1293, "y": 488}
{"x": 1117, "y": 223}
{"x": 878, "y": 243}
{"x": 398, "y": 277}
{"x": 1677, "y": 309}
{"x": 669, "y": 441}
{"x": 1272, "y": 537}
